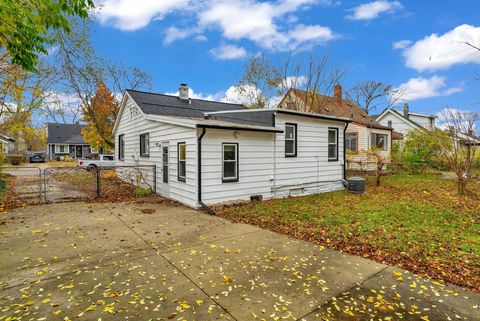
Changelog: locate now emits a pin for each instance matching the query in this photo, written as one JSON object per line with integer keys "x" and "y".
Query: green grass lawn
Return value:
{"x": 414, "y": 222}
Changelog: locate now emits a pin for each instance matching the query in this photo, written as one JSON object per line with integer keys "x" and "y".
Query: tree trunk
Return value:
{"x": 461, "y": 186}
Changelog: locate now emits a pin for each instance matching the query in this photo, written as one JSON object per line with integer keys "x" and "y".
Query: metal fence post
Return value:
{"x": 39, "y": 185}
{"x": 45, "y": 184}
{"x": 155, "y": 179}
{"x": 97, "y": 178}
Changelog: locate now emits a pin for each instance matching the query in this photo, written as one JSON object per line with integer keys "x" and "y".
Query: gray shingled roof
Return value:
{"x": 65, "y": 134}
{"x": 159, "y": 104}
{"x": 264, "y": 117}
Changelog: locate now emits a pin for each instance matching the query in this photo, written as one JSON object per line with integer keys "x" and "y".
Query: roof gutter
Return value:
{"x": 273, "y": 130}
{"x": 199, "y": 170}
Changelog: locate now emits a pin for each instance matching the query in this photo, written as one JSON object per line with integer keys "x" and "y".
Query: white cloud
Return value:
{"x": 241, "y": 94}
{"x": 199, "y": 95}
{"x": 234, "y": 94}
{"x": 132, "y": 15}
{"x": 420, "y": 88}
{"x": 257, "y": 22}
{"x": 440, "y": 52}
{"x": 372, "y": 10}
{"x": 270, "y": 25}
{"x": 401, "y": 44}
{"x": 228, "y": 52}
{"x": 294, "y": 82}
{"x": 173, "y": 33}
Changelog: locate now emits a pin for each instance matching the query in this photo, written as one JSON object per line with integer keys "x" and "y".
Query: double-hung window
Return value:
{"x": 290, "y": 140}
{"x": 61, "y": 149}
{"x": 332, "y": 144}
{"x": 121, "y": 147}
{"x": 145, "y": 145}
{"x": 351, "y": 140}
{"x": 182, "y": 162}
{"x": 379, "y": 141}
{"x": 230, "y": 162}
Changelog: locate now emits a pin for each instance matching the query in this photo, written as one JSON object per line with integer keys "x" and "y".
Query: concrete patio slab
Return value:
{"x": 116, "y": 262}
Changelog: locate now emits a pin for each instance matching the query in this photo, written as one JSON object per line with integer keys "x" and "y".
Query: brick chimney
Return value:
{"x": 337, "y": 93}
{"x": 405, "y": 110}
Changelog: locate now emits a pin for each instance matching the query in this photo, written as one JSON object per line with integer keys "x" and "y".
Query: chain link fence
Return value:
{"x": 32, "y": 185}
{"x": 21, "y": 185}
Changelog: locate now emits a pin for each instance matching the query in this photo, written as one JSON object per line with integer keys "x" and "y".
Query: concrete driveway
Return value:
{"x": 154, "y": 262}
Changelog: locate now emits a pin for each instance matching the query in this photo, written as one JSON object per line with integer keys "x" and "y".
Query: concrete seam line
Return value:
{"x": 73, "y": 272}
{"x": 210, "y": 241}
{"x": 345, "y": 291}
{"x": 174, "y": 266}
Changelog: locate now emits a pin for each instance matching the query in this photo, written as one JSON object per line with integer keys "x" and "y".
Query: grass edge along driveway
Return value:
{"x": 414, "y": 222}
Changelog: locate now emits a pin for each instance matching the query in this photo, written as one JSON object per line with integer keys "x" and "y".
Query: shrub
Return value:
{"x": 15, "y": 159}
{"x": 142, "y": 191}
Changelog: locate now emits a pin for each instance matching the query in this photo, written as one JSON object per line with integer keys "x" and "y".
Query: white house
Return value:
{"x": 7, "y": 145}
{"x": 363, "y": 133}
{"x": 404, "y": 122}
{"x": 210, "y": 152}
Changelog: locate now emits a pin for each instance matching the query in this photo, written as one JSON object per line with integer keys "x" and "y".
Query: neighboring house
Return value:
{"x": 7, "y": 145}
{"x": 210, "y": 152}
{"x": 66, "y": 140}
{"x": 406, "y": 121}
{"x": 363, "y": 133}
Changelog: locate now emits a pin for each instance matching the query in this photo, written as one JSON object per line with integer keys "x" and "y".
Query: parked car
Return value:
{"x": 36, "y": 157}
{"x": 103, "y": 161}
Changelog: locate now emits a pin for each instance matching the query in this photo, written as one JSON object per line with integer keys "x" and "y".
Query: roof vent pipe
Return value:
{"x": 183, "y": 91}
{"x": 406, "y": 111}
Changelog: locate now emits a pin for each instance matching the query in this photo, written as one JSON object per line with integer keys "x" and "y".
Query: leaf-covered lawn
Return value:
{"x": 414, "y": 222}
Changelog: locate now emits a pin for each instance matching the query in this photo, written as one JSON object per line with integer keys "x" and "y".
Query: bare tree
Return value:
{"x": 472, "y": 46}
{"x": 370, "y": 95}
{"x": 272, "y": 80}
{"x": 82, "y": 71}
{"x": 460, "y": 147}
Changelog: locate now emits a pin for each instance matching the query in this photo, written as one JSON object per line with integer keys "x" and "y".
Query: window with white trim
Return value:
{"x": 182, "y": 162}
{"x": 61, "y": 149}
{"x": 290, "y": 140}
{"x": 332, "y": 144}
{"x": 379, "y": 141}
{"x": 121, "y": 147}
{"x": 230, "y": 162}
{"x": 351, "y": 140}
{"x": 145, "y": 145}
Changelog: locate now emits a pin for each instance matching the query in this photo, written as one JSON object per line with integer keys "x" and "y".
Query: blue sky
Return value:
{"x": 415, "y": 45}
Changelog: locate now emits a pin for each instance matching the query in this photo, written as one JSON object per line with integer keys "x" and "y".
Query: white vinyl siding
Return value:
{"x": 159, "y": 132}
{"x": 310, "y": 171}
{"x": 255, "y": 152}
{"x": 398, "y": 123}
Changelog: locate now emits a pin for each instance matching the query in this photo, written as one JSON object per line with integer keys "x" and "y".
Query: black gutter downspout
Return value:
{"x": 345, "y": 152}
{"x": 199, "y": 160}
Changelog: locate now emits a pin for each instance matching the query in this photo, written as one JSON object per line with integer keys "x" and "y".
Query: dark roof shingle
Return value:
{"x": 328, "y": 105}
{"x": 160, "y": 104}
{"x": 65, "y": 134}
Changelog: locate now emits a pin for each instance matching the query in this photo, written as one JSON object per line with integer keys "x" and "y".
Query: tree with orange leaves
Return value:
{"x": 99, "y": 115}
